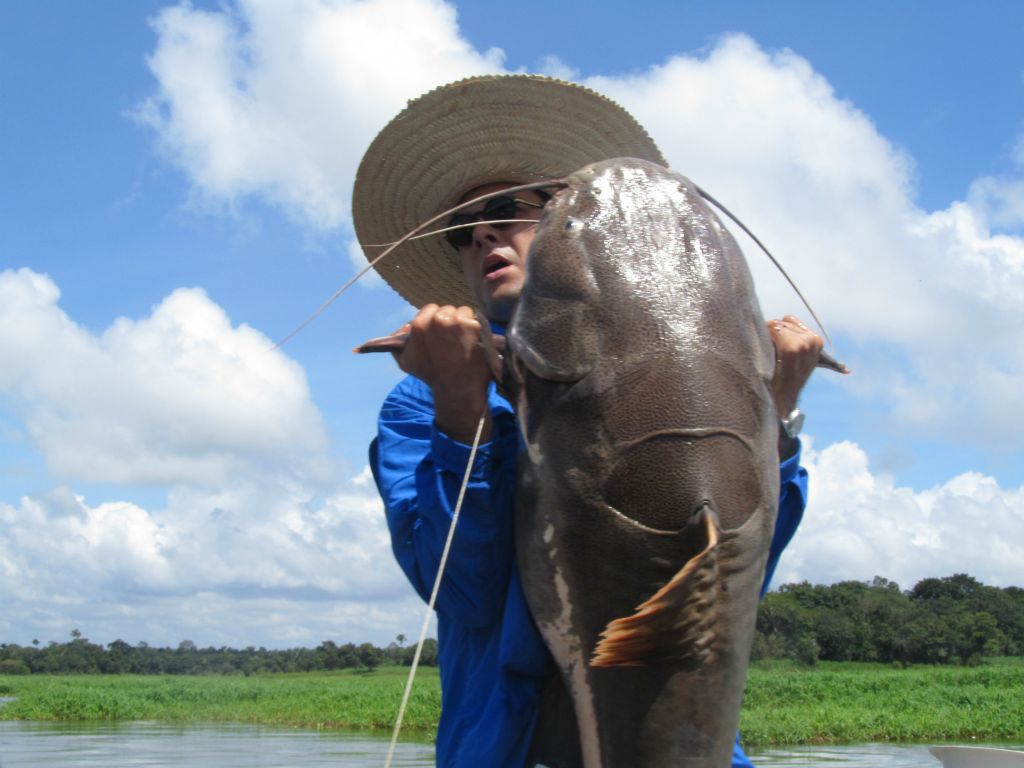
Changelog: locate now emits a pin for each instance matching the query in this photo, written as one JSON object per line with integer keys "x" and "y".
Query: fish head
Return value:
{"x": 625, "y": 239}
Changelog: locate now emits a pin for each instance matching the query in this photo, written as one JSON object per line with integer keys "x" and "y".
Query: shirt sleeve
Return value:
{"x": 419, "y": 471}
{"x": 792, "y": 501}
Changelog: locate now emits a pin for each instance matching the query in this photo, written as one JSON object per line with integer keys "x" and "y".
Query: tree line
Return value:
{"x": 950, "y": 620}
{"x": 79, "y": 656}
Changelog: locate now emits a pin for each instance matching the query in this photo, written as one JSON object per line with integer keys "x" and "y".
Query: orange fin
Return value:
{"x": 674, "y": 624}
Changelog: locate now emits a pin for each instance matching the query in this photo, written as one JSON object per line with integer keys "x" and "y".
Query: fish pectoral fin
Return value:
{"x": 676, "y": 623}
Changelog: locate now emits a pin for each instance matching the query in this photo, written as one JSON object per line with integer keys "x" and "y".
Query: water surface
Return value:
{"x": 160, "y": 745}
{"x": 25, "y": 744}
{"x": 846, "y": 756}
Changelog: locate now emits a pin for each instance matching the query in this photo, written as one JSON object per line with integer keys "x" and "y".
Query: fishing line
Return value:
{"x": 406, "y": 237}
{"x": 775, "y": 261}
{"x": 433, "y": 594}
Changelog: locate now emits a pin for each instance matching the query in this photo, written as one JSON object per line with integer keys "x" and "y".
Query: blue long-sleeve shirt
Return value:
{"x": 492, "y": 659}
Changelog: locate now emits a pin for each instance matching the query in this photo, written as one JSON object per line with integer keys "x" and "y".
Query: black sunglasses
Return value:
{"x": 501, "y": 207}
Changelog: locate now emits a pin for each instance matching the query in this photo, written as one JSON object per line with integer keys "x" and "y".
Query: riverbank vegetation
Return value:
{"x": 79, "y": 656}
{"x": 951, "y": 620}
{"x": 850, "y": 702}
{"x": 347, "y": 699}
{"x": 785, "y": 703}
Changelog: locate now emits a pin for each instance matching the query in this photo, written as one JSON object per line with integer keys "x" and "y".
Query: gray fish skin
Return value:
{"x": 643, "y": 369}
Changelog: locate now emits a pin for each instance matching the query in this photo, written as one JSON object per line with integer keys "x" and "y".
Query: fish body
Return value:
{"x": 649, "y": 485}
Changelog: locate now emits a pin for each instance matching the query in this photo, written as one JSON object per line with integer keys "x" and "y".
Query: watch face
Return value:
{"x": 793, "y": 423}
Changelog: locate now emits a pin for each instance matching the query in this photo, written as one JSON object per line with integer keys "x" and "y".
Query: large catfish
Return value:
{"x": 649, "y": 487}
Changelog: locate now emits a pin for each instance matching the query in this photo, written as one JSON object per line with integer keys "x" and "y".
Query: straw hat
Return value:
{"x": 517, "y": 128}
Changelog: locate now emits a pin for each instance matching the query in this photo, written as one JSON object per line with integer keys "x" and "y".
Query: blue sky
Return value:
{"x": 177, "y": 195}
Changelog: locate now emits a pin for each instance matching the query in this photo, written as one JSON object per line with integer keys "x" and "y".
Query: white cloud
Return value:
{"x": 998, "y": 202}
{"x": 179, "y": 396}
{"x": 553, "y": 66}
{"x": 279, "y": 99}
{"x": 262, "y": 532}
{"x": 253, "y": 540}
{"x": 255, "y": 562}
{"x": 860, "y": 524}
{"x": 112, "y": 545}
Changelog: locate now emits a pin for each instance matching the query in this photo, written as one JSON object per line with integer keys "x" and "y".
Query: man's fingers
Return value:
{"x": 788, "y": 333}
{"x": 424, "y": 317}
{"x": 458, "y": 316}
{"x": 467, "y": 313}
{"x": 447, "y": 316}
{"x": 792, "y": 320}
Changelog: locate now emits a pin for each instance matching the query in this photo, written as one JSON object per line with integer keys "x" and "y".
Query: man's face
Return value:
{"x": 494, "y": 262}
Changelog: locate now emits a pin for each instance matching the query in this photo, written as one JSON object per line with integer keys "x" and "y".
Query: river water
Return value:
{"x": 161, "y": 745}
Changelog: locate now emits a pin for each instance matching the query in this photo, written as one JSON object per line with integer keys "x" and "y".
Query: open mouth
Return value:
{"x": 495, "y": 264}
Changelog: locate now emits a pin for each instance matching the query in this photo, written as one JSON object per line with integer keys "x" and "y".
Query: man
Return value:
{"x": 455, "y": 143}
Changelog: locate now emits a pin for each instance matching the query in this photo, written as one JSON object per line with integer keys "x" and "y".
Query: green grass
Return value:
{"x": 317, "y": 700}
{"x": 784, "y": 704}
{"x": 855, "y": 703}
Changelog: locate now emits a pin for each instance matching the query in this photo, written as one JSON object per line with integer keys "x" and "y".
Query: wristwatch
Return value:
{"x": 793, "y": 423}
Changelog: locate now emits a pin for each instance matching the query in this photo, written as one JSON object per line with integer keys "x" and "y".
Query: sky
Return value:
{"x": 176, "y": 194}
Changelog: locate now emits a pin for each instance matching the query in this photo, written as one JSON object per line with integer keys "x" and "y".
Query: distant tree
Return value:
{"x": 348, "y": 656}
{"x": 428, "y": 656}
{"x": 840, "y": 635}
{"x": 879, "y": 582}
{"x": 118, "y": 660}
{"x": 14, "y": 667}
{"x": 958, "y": 588}
{"x": 786, "y": 623}
{"x": 979, "y": 637}
{"x": 370, "y": 656}
{"x": 954, "y": 619}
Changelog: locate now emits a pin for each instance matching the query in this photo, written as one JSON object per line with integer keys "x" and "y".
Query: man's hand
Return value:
{"x": 796, "y": 354}
{"x": 444, "y": 351}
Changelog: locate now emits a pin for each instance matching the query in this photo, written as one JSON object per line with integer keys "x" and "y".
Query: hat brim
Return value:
{"x": 515, "y": 128}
